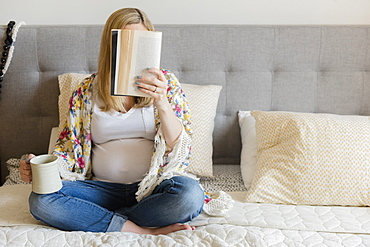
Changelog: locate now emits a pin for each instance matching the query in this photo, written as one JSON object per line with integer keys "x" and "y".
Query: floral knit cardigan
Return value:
{"x": 74, "y": 143}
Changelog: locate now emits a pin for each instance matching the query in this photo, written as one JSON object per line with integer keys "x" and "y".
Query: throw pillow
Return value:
{"x": 248, "y": 157}
{"x": 14, "y": 176}
{"x": 312, "y": 159}
{"x": 203, "y": 103}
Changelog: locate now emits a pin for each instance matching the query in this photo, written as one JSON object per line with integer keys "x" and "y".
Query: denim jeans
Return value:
{"x": 98, "y": 206}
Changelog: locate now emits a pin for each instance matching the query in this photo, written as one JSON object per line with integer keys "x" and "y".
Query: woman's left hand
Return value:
{"x": 156, "y": 87}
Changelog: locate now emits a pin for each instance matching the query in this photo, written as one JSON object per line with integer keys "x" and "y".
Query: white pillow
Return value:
{"x": 248, "y": 158}
{"x": 202, "y": 101}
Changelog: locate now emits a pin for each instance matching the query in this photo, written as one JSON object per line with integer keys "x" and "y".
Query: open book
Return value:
{"x": 132, "y": 53}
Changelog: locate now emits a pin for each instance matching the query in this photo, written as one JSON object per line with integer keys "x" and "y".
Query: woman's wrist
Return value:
{"x": 171, "y": 126}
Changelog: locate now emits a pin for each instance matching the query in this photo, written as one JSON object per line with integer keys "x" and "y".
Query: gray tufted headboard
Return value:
{"x": 293, "y": 68}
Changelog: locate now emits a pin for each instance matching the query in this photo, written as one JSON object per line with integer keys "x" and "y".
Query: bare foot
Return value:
{"x": 130, "y": 226}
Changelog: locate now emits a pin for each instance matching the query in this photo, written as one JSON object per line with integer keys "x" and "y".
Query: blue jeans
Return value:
{"x": 98, "y": 206}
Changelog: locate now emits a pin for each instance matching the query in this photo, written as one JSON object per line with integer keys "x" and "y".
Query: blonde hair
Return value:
{"x": 117, "y": 20}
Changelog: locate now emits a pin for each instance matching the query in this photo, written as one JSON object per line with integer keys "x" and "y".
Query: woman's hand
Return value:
{"x": 157, "y": 88}
{"x": 25, "y": 169}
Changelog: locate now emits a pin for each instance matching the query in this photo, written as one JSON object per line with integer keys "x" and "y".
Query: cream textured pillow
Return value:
{"x": 314, "y": 159}
{"x": 248, "y": 157}
{"x": 202, "y": 101}
{"x": 203, "y": 104}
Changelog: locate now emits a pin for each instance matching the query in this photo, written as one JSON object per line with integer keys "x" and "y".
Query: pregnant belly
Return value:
{"x": 122, "y": 161}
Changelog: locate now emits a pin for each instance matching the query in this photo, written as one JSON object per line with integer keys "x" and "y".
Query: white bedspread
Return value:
{"x": 247, "y": 224}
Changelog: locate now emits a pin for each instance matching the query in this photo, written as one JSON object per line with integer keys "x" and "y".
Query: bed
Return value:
{"x": 284, "y": 130}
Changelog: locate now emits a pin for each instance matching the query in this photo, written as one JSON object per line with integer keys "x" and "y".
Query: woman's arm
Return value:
{"x": 171, "y": 126}
{"x": 157, "y": 88}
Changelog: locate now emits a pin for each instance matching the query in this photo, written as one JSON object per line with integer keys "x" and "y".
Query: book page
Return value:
{"x": 146, "y": 54}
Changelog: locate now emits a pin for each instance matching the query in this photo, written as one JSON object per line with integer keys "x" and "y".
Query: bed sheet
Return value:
{"x": 246, "y": 224}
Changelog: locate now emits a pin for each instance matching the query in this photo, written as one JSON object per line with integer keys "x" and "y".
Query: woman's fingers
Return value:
{"x": 25, "y": 169}
{"x": 158, "y": 73}
{"x": 153, "y": 86}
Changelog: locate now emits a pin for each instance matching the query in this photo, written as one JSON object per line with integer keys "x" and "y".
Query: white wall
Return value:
{"x": 190, "y": 11}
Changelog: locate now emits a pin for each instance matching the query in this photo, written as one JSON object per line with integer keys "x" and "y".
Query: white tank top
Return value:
{"x": 122, "y": 144}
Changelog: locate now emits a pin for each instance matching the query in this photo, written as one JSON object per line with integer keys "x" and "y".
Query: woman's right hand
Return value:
{"x": 25, "y": 169}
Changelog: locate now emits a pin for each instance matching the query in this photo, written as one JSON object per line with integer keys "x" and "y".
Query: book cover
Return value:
{"x": 132, "y": 52}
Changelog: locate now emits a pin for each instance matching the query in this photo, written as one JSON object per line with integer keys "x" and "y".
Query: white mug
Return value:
{"x": 45, "y": 174}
